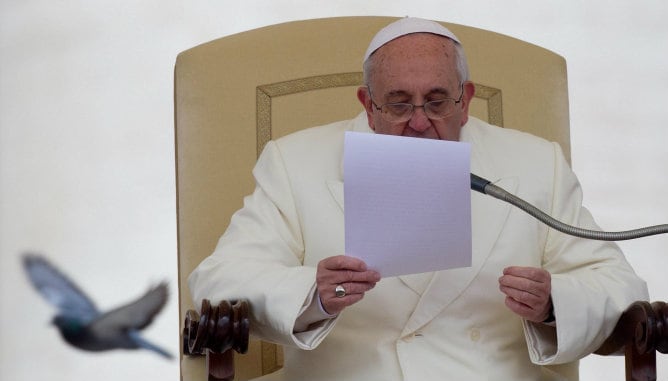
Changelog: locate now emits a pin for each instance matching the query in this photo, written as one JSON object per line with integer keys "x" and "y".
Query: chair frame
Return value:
{"x": 218, "y": 331}
{"x": 642, "y": 330}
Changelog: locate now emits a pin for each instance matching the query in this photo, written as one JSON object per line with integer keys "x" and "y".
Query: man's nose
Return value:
{"x": 419, "y": 121}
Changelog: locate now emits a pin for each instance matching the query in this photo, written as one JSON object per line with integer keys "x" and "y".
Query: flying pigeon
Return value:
{"x": 79, "y": 321}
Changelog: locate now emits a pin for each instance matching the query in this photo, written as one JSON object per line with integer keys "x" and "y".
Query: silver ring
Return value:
{"x": 339, "y": 291}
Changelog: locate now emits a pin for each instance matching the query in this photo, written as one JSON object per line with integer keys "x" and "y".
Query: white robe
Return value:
{"x": 449, "y": 324}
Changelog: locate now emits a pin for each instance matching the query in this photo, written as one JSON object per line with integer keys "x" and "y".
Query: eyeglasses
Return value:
{"x": 402, "y": 112}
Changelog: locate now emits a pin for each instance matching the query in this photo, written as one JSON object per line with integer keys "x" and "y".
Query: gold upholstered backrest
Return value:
{"x": 234, "y": 94}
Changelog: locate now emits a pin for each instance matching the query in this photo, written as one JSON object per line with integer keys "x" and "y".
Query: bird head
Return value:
{"x": 68, "y": 324}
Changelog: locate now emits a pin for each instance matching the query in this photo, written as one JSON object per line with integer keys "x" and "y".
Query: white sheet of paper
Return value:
{"x": 407, "y": 203}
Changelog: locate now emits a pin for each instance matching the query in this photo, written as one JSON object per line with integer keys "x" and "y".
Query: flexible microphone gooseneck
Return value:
{"x": 485, "y": 186}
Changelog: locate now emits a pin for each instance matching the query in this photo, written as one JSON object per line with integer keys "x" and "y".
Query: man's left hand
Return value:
{"x": 527, "y": 292}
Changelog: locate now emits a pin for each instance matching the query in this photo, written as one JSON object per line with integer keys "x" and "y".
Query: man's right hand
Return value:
{"x": 350, "y": 273}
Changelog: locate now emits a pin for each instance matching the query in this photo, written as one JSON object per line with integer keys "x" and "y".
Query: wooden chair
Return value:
{"x": 234, "y": 94}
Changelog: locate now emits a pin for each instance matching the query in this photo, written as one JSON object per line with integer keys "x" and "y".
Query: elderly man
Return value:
{"x": 533, "y": 302}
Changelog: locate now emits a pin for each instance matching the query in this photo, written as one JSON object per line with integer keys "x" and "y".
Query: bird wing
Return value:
{"x": 134, "y": 315}
{"x": 57, "y": 289}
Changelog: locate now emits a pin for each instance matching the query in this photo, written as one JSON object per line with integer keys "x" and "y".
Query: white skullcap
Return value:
{"x": 404, "y": 26}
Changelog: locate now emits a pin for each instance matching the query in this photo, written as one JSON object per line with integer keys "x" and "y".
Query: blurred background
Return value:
{"x": 87, "y": 156}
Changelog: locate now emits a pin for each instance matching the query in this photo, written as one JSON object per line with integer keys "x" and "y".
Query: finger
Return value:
{"x": 527, "y": 312}
{"x": 535, "y": 280}
{"x": 523, "y": 297}
{"x": 526, "y": 304}
{"x": 354, "y": 292}
{"x": 356, "y": 287}
{"x": 343, "y": 262}
{"x": 328, "y": 291}
{"x": 325, "y": 273}
{"x": 523, "y": 284}
{"x": 532, "y": 273}
{"x": 341, "y": 268}
{"x": 362, "y": 277}
{"x": 327, "y": 278}
{"x": 520, "y": 309}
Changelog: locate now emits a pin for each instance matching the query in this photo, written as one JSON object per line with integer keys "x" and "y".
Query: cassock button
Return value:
{"x": 474, "y": 334}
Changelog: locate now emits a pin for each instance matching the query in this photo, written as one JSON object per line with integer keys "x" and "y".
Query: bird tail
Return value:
{"x": 143, "y": 343}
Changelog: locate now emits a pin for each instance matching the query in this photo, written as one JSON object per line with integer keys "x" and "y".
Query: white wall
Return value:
{"x": 86, "y": 144}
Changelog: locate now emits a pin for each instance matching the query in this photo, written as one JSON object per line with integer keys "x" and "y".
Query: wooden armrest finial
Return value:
{"x": 641, "y": 331}
{"x": 217, "y": 328}
{"x": 643, "y": 326}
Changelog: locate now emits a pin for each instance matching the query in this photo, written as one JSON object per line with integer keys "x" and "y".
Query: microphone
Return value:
{"x": 484, "y": 186}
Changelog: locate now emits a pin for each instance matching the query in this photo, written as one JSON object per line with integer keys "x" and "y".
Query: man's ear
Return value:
{"x": 365, "y": 99}
{"x": 469, "y": 92}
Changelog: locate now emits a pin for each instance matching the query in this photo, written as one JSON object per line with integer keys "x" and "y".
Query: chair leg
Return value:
{"x": 220, "y": 366}
{"x": 640, "y": 367}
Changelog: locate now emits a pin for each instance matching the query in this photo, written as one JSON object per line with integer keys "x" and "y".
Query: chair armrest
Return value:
{"x": 215, "y": 331}
{"x": 641, "y": 330}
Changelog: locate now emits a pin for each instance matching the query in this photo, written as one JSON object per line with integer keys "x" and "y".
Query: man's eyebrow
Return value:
{"x": 434, "y": 91}
{"x": 439, "y": 91}
{"x": 396, "y": 93}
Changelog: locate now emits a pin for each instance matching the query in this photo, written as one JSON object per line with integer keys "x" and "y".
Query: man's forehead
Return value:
{"x": 419, "y": 63}
{"x": 432, "y": 90}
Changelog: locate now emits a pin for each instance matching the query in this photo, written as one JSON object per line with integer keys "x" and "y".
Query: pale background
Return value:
{"x": 87, "y": 158}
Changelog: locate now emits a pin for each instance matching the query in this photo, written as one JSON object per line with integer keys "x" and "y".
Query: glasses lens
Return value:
{"x": 438, "y": 109}
{"x": 397, "y": 111}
